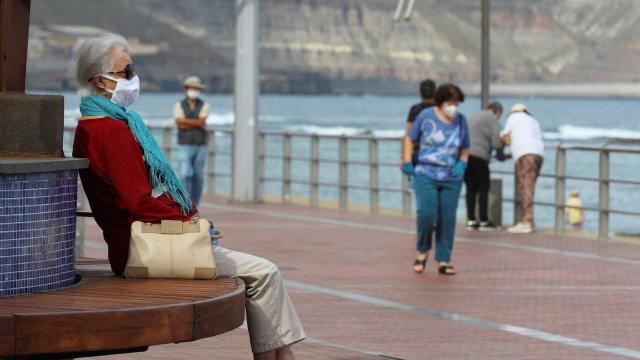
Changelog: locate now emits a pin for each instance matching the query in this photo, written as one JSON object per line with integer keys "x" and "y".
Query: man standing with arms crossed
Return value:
{"x": 191, "y": 115}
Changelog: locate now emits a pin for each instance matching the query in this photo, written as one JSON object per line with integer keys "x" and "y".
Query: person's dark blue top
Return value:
{"x": 440, "y": 144}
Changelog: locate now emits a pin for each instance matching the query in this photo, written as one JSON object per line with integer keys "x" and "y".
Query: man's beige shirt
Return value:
{"x": 178, "y": 113}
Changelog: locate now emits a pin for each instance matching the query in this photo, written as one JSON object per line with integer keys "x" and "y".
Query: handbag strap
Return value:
{"x": 171, "y": 227}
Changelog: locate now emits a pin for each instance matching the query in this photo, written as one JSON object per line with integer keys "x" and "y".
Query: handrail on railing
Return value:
{"x": 343, "y": 186}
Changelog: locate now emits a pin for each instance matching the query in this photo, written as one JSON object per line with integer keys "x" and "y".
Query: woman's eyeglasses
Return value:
{"x": 128, "y": 72}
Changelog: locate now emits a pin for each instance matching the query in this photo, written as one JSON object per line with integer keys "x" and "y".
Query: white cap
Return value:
{"x": 518, "y": 107}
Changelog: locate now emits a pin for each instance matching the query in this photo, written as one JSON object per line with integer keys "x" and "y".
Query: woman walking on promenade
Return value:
{"x": 443, "y": 136}
{"x": 124, "y": 162}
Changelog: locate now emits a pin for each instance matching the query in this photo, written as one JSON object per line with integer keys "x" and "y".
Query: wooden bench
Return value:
{"x": 105, "y": 314}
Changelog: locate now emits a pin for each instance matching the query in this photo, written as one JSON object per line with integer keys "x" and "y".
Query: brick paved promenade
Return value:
{"x": 349, "y": 275}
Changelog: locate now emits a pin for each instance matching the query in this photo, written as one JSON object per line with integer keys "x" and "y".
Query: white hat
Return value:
{"x": 194, "y": 82}
{"x": 518, "y": 107}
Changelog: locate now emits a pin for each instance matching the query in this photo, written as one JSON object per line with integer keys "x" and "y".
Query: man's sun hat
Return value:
{"x": 518, "y": 107}
{"x": 194, "y": 82}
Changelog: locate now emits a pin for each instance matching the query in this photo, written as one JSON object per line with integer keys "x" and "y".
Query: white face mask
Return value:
{"x": 193, "y": 94}
{"x": 450, "y": 110}
{"x": 126, "y": 91}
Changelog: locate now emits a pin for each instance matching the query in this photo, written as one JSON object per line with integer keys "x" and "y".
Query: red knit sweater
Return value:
{"x": 117, "y": 184}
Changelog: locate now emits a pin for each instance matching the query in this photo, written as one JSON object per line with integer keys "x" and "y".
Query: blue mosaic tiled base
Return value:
{"x": 37, "y": 231}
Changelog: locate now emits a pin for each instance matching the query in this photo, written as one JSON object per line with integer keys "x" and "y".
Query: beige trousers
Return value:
{"x": 271, "y": 318}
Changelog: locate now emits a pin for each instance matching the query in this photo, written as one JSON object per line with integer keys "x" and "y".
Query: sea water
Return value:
{"x": 564, "y": 120}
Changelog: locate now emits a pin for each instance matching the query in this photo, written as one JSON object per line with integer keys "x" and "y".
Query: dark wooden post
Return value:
{"x": 14, "y": 38}
{"x": 30, "y": 125}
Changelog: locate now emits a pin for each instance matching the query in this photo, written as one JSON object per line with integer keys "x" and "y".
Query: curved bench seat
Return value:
{"x": 106, "y": 313}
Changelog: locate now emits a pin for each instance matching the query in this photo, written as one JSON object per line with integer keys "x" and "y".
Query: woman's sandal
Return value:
{"x": 446, "y": 270}
{"x": 419, "y": 265}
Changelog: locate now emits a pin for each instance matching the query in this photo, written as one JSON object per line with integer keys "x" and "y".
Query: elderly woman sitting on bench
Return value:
{"x": 125, "y": 161}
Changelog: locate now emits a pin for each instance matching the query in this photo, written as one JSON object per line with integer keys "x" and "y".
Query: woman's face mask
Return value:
{"x": 451, "y": 110}
{"x": 126, "y": 91}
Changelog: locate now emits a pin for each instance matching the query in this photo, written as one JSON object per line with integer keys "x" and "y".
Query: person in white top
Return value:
{"x": 522, "y": 132}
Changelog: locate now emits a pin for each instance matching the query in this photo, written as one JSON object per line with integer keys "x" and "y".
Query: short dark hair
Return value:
{"x": 427, "y": 88}
{"x": 446, "y": 92}
{"x": 495, "y": 107}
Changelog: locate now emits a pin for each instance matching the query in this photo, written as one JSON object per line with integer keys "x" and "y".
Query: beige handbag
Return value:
{"x": 171, "y": 250}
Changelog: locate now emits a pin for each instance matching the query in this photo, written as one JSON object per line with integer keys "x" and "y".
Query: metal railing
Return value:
{"x": 342, "y": 161}
{"x": 373, "y": 187}
{"x": 560, "y": 176}
{"x": 604, "y": 183}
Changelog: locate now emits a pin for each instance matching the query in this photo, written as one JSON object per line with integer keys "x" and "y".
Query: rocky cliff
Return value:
{"x": 311, "y": 46}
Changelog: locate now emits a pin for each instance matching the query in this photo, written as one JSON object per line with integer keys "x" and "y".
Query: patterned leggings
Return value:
{"x": 527, "y": 171}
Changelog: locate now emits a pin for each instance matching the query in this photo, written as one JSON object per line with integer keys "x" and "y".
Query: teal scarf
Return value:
{"x": 160, "y": 173}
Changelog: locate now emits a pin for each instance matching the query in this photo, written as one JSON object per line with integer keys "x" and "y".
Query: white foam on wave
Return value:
{"x": 388, "y": 133}
{"x": 227, "y": 118}
{"x": 72, "y": 113}
{"x": 572, "y": 132}
{"x": 320, "y": 130}
{"x": 214, "y": 119}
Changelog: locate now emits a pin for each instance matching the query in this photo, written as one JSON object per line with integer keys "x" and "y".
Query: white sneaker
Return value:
{"x": 472, "y": 225}
{"x": 521, "y": 228}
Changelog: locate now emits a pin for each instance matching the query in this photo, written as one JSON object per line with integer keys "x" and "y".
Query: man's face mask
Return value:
{"x": 193, "y": 93}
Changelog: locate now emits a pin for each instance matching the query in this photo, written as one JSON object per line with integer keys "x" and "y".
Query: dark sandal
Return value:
{"x": 447, "y": 270}
{"x": 421, "y": 263}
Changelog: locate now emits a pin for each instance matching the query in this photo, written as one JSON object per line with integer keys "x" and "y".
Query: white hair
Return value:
{"x": 92, "y": 57}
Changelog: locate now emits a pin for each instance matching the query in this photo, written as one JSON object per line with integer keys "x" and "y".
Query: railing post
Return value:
{"x": 406, "y": 195}
{"x": 232, "y": 158}
{"x": 343, "y": 197}
{"x": 211, "y": 163}
{"x": 315, "y": 164}
{"x": 603, "y": 203}
{"x": 495, "y": 201}
{"x": 286, "y": 168}
{"x": 374, "y": 193}
{"x": 80, "y": 222}
{"x": 261, "y": 163}
{"x": 167, "y": 142}
{"x": 561, "y": 168}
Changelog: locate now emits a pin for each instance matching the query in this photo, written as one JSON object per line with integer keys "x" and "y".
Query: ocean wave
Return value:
{"x": 320, "y": 130}
{"x": 572, "y": 132}
{"x": 212, "y": 120}
{"x": 396, "y": 133}
{"x": 71, "y": 117}
{"x": 274, "y": 118}
{"x": 72, "y": 113}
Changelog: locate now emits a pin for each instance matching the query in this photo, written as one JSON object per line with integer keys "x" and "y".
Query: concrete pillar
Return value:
{"x": 247, "y": 89}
